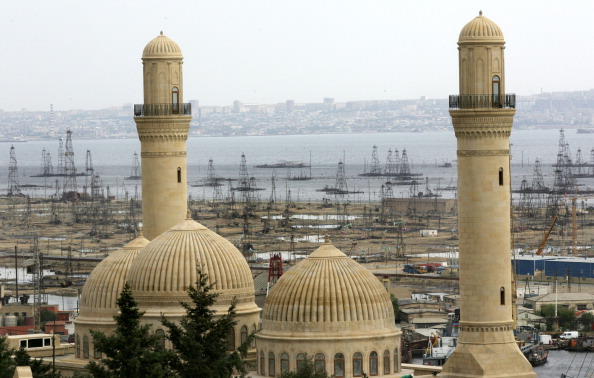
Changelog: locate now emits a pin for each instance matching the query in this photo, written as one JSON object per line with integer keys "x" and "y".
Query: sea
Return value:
{"x": 428, "y": 155}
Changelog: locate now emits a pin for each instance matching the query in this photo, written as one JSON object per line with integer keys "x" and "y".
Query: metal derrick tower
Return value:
{"x": 391, "y": 168}
{"x": 61, "y": 157}
{"x": 375, "y": 165}
{"x": 47, "y": 169}
{"x": 404, "y": 166}
{"x": 13, "y": 175}
{"x": 70, "y": 187}
{"x": 341, "y": 184}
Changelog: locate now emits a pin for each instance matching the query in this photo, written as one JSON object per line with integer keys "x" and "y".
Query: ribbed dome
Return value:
{"x": 164, "y": 270}
{"x": 481, "y": 29}
{"x": 330, "y": 292}
{"x": 106, "y": 281}
{"x": 162, "y": 47}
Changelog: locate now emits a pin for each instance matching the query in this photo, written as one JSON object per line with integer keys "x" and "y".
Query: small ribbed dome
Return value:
{"x": 481, "y": 29}
{"x": 164, "y": 270}
{"x": 106, "y": 281}
{"x": 162, "y": 47}
{"x": 330, "y": 292}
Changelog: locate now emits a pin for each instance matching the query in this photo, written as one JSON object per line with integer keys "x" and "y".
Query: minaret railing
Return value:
{"x": 141, "y": 110}
{"x": 507, "y": 101}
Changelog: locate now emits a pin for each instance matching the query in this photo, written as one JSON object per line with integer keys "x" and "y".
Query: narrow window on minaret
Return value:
{"x": 500, "y": 176}
{"x": 175, "y": 99}
{"x": 502, "y": 296}
{"x": 178, "y": 175}
{"x": 495, "y": 88}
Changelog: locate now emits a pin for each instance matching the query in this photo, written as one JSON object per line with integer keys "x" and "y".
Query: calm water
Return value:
{"x": 112, "y": 159}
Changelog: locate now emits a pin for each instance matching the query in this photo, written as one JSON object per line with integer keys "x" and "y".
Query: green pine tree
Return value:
{"x": 200, "y": 340}
{"x": 38, "y": 368}
{"x": 6, "y": 361}
{"x": 132, "y": 351}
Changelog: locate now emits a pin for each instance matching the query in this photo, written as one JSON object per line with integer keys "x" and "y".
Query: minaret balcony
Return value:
{"x": 148, "y": 110}
{"x": 507, "y": 101}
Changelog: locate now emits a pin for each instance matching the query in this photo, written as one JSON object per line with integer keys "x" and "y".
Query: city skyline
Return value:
{"x": 85, "y": 55}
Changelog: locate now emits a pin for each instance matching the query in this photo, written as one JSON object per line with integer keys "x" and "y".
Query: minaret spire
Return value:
{"x": 163, "y": 123}
{"x": 482, "y": 116}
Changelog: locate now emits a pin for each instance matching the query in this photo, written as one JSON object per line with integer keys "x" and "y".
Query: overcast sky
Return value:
{"x": 86, "y": 54}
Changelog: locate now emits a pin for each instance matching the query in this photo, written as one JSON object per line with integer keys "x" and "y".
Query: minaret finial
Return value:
{"x": 161, "y": 32}
{"x": 326, "y": 239}
{"x": 480, "y": 14}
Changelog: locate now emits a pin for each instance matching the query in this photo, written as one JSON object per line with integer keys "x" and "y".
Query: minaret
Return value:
{"x": 482, "y": 115}
{"x": 163, "y": 122}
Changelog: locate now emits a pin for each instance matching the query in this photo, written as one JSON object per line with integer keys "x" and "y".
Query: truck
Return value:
{"x": 569, "y": 335}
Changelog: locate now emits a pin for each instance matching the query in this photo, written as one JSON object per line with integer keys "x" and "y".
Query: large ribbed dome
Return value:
{"x": 162, "y": 47}
{"x": 164, "y": 270}
{"x": 481, "y": 29}
{"x": 331, "y": 293}
{"x": 106, "y": 281}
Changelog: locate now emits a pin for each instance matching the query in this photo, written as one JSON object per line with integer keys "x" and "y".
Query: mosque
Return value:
{"x": 327, "y": 306}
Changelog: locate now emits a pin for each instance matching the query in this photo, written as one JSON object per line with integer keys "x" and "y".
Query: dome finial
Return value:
{"x": 326, "y": 239}
{"x": 139, "y": 231}
{"x": 189, "y": 214}
{"x": 161, "y": 32}
{"x": 480, "y": 14}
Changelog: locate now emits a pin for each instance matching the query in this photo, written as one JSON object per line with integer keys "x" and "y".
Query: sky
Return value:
{"x": 87, "y": 54}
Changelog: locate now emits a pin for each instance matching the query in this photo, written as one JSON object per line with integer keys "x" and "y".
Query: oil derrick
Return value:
{"x": 525, "y": 205}
{"x": 272, "y": 199}
{"x": 404, "y": 166}
{"x": 37, "y": 282}
{"x": 47, "y": 169}
{"x": 400, "y": 245}
{"x": 591, "y": 164}
{"x": 275, "y": 268}
{"x": 14, "y": 188}
{"x": 244, "y": 184}
{"x": 88, "y": 173}
{"x": 135, "y": 171}
{"x": 61, "y": 157}
{"x": 341, "y": 184}
{"x": 387, "y": 194}
{"x": 564, "y": 181}
{"x": 412, "y": 197}
{"x": 375, "y": 169}
{"x": 579, "y": 163}
{"x": 70, "y": 191}
{"x": 391, "y": 168}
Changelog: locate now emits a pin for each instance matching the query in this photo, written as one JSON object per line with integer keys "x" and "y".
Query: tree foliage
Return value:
{"x": 132, "y": 351}
{"x": 6, "y": 362}
{"x": 565, "y": 317}
{"x": 38, "y": 368}
{"x": 306, "y": 370}
{"x": 200, "y": 339}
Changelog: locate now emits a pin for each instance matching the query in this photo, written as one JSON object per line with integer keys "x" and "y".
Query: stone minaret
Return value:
{"x": 482, "y": 116}
{"x": 163, "y": 122}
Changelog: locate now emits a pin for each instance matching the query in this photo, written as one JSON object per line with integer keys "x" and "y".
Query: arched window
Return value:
{"x": 284, "y": 363}
{"x": 496, "y": 88}
{"x": 262, "y": 364}
{"x": 271, "y": 367}
{"x": 396, "y": 358}
{"x": 175, "y": 99}
{"x": 161, "y": 335}
{"x": 357, "y": 364}
{"x": 500, "y": 176}
{"x": 320, "y": 362}
{"x": 502, "y": 295}
{"x": 244, "y": 334}
{"x": 373, "y": 370}
{"x": 300, "y": 360}
{"x": 339, "y": 365}
{"x": 386, "y": 362}
{"x": 178, "y": 175}
{"x": 78, "y": 346}
{"x": 86, "y": 347}
{"x": 231, "y": 340}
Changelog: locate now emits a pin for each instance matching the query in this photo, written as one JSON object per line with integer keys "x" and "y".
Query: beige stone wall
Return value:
{"x": 329, "y": 346}
{"x": 163, "y": 153}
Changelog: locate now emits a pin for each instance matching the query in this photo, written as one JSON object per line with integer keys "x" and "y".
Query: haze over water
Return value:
{"x": 112, "y": 159}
